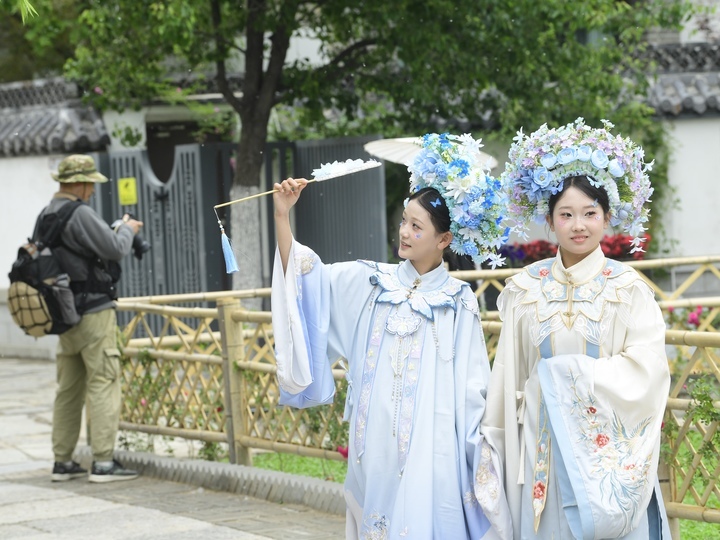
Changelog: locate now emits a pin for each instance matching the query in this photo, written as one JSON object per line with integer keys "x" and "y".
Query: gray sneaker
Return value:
{"x": 63, "y": 473}
{"x": 114, "y": 473}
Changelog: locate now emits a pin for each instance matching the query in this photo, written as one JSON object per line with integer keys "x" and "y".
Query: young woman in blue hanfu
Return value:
{"x": 410, "y": 335}
{"x": 580, "y": 379}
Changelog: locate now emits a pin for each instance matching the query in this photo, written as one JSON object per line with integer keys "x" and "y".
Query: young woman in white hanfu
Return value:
{"x": 580, "y": 379}
{"x": 413, "y": 344}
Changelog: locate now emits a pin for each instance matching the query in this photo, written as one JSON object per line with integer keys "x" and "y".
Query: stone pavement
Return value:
{"x": 153, "y": 507}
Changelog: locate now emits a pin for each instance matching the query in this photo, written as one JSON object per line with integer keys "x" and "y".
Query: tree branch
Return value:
{"x": 221, "y": 46}
{"x": 350, "y": 51}
{"x": 254, "y": 55}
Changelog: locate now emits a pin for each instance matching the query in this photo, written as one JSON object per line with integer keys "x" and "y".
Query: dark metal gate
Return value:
{"x": 341, "y": 219}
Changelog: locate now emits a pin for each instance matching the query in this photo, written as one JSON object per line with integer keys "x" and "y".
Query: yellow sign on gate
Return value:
{"x": 127, "y": 191}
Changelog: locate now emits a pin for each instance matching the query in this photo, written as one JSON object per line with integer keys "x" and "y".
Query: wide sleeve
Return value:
{"x": 606, "y": 415}
{"x": 300, "y": 319}
{"x": 314, "y": 318}
{"x": 499, "y": 427}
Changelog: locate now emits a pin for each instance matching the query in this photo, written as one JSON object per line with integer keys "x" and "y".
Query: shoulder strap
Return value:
{"x": 50, "y": 236}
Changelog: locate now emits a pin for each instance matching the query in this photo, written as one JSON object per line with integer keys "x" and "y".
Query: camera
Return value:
{"x": 140, "y": 246}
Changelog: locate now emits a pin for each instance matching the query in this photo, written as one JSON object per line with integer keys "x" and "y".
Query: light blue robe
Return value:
{"x": 417, "y": 375}
{"x": 576, "y": 401}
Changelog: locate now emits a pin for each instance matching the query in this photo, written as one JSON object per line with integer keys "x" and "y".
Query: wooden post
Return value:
{"x": 667, "y": 488}
{"x": 233, "y": 351}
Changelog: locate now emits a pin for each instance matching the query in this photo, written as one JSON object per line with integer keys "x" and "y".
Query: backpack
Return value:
{"x": 40, "y": 299}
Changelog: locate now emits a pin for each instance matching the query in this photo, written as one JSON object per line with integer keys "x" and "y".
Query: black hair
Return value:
{"x": 583, "y": 184}
{"x": 439, "y": 213}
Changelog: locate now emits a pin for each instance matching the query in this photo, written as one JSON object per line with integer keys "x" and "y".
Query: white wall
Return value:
{"x": 28, "y": 189}
{"x": 692, "y": 31}
{"x": 695, "y": 173}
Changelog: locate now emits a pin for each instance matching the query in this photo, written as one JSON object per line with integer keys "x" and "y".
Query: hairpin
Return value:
{"x": 437, "y": 202}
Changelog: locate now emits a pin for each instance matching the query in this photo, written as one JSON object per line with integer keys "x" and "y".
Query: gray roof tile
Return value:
{"x": 47, "y": 117}
{"x": 675, "y": 94}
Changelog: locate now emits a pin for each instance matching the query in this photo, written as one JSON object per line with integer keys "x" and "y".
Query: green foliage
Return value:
{"x": 704, "y": 393}
{"x": 25, "y": 8}
{"x": 305, "y": 466}
{"x": 127, "y": 135}
{"x": 36, "y": 46}
{"x": 337, "y": 432}
{"x": 386, "y": 67}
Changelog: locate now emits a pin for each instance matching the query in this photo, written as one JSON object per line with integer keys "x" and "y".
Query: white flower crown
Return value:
{"x": 540, "y": 162}
{"x": 453, "y": 166}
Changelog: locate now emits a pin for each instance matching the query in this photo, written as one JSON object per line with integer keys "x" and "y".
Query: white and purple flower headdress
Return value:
{"x": 540, "y": 162}
{"x": 453, "y": 166}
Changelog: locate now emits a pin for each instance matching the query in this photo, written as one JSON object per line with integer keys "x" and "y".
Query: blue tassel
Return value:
{"x": 231, "y": 264}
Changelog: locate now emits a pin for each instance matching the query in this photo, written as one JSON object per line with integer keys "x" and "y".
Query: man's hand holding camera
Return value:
{"x": 140, "y": 245}
{"x": 133, "y": 223}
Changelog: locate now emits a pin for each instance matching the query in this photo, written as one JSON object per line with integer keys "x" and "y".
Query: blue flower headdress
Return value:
{"x": 453, "y": 165}
{"x": 540, "y": 162}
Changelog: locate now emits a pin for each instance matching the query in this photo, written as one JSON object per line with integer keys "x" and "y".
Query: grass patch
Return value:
{"x": 326, "y": 469}
{"x": 699, "y": 530}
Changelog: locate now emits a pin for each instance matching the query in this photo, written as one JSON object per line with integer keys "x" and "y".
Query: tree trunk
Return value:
{"x": 246, "y": 224}
{"x": 258, "y": 97}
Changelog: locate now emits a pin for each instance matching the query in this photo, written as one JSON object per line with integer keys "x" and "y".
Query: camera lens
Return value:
{"x": 140, "y": 246}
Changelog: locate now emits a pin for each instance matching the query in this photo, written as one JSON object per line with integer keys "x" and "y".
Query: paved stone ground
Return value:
{"x": 32, "y": 507}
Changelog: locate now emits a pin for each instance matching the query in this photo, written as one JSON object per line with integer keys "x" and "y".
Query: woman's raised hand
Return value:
{"x": 288, "y": 192}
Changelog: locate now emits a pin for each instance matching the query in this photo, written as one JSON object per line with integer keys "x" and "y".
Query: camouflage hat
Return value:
{"x": 78, "y": 168}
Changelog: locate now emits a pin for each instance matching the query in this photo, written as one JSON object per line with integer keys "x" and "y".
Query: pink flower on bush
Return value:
{"x": 98, "y": 90}
{"x": 693, "y": 318}
{"x": 143, "y": 401}
{"x": 601, "y": 440}
{"x": 671, "y": 309}
{"x": 343, "y": 450}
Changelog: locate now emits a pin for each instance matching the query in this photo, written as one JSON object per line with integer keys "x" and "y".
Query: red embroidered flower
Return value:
{"x": 592, "y": 410}
{"x": 607, "y": 271}
{"x": 544, "y": 272}
{"x": 539, "y": 490}
{"x": 601, "y": 440}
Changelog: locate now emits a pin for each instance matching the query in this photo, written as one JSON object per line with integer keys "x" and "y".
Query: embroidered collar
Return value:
{"x": 581, "y": 284}
{"x": 581, "y": 272}
{"x": 423, "y": 293}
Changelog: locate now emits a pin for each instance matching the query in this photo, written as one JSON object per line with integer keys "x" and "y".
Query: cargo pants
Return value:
{"x": 88, "y": 373}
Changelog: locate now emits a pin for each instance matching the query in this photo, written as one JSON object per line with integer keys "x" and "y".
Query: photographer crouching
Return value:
{"x": 88, "y": 360}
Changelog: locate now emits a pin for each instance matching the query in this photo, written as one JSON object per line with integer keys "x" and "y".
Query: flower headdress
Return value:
{"x": 453, "y": 166}
{"x": 539, "y": 163}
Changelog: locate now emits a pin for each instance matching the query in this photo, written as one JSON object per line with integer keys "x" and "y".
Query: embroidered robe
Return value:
{"x": 576, "y": 401}
{"x": 417, "y": 379}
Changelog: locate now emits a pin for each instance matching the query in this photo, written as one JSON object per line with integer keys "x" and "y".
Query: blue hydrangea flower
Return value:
{"x": 599, "y": 159}
{"x": 567, "y": 155}
{"x": 615, "y": 168}
{"x": 548, "y": 161}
